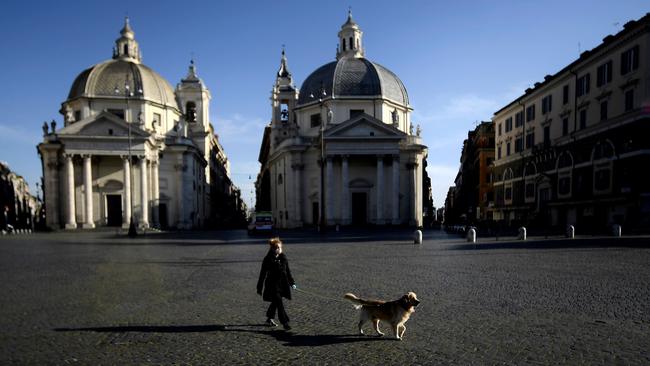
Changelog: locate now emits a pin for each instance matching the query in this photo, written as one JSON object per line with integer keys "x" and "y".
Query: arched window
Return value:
{"x": 530, "y": 169}
{"x": 564, "y": 175}
{"x": 190, "y": 111}
{"x": 507, "y": 175}
{"x": 603, "y": 150}
{"x": 565, "y": 161}
{"x": 126, "y": 49}
{"x": 343, "y": 44}
{"x": 351, "y": 44}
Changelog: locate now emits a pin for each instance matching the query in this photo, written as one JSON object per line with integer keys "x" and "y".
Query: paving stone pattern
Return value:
{"x": 189, "y": 298}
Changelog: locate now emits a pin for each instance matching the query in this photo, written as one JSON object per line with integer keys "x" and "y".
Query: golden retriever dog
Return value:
{"x": 395, "y": 312}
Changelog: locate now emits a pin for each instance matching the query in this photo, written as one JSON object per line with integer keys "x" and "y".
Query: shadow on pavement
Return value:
{"x": 629, "y": 242}
{"x": 289, "y": 338}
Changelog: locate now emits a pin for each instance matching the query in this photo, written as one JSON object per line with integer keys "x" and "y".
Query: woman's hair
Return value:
{"x": 275, "y": 242}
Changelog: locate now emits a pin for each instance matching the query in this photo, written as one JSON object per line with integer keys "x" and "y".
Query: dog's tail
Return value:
{"x": 361, "y": 302}
{"x": 354, "y": 299}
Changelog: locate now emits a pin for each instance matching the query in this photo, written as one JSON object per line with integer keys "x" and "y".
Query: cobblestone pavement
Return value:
{"x": 189, "y": 298}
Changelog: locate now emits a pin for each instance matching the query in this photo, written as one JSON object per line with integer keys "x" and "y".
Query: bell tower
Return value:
{"x": 283, "y": 101}
{"x": 194, "y": 100}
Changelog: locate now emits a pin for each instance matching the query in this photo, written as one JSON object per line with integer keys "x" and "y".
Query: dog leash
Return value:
{"x": 319, "y": 295}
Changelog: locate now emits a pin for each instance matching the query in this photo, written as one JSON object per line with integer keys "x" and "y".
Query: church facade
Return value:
{"x": 342, "y": 150}
{"x": 134, "y": 149}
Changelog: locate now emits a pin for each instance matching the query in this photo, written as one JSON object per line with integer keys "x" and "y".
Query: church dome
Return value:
{"x": 103, "y": 79}
{"x": 351, "y": 77}
{"x": 109, "y": 78}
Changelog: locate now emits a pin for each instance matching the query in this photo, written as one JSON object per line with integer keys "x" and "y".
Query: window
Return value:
{"x": 279, "y": 178}
{"x": 190, "y": 112}
{"x": 583, "y": 85}
{"x": 629, "y": 100}
{"x": 530, "y": 140}
{"x": 547, "y": 136}
{"x": 508, "y": 149}
{"x": 565, "y": 94}
{"x": 499, "y": 128}
{"x": 499, "y": 152}
{"x": 343, "y": 44}
{"x": 519, "y": 119}
{"x": 508, "y": 193}
{"x": 519, "y": 142}
{"x": 530, "y": 113}
{"x": 603, "y": 110}
{"x": 530, "y": 190}
{"x": 630, "y": 60}
{"x": 355, "y": 112}
{"x": 351, "y": 44}
{"x": 315, "y": 120}
{"x": 564, "y": 186}
{"x": 602, "y": 179}
{"x": 565, "y": 126}
{"x": 284, "y": 112}
{"x": 547, "y": 104}
{"x": 583, "y": 119}
{"x": 509, "y": 124}
{"x": 77, "y": 115}
{"x": 604, "y": 74}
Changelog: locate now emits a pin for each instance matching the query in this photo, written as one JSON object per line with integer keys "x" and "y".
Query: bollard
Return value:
{"x": 471, "y": 235}
{"x": 570, "y": 232}
{"x": 522, "y": 233}
{"x": 417, "y": 237}
{"x": 616, "y": 230}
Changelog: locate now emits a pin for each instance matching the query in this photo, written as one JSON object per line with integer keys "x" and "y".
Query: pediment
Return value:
{"x": 363, "y": 126}
{"x": 103, "y": 124}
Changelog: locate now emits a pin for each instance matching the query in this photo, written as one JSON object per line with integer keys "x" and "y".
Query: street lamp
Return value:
{"x": 321, "y": 96}
{"x": 128, "y": 93}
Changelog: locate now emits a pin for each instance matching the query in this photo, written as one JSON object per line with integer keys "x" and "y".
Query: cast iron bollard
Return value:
{"x": 471, "y": 235}
{"x": 417, "y": 237}
{"x": 616, "y": 230}
{"x": 522, "y": 233}
{"x": 570, "y": 232}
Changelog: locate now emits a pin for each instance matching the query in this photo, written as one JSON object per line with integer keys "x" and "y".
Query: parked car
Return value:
{"x": 260, "y": 222}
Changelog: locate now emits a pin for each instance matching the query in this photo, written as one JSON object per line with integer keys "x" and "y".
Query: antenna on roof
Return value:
{"x": 579, "y": 49}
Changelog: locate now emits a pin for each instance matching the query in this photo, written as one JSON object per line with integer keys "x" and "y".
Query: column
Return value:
{"x": 329, "y": 195}
{"x": 345, "y": 191}
{"x": 179, "y": 167}
{"x": 297, "y": 193}
{"x": 126, "y": 167}
{"x": 70, "y": 220}
{"x": 413, "y": 206}
{"x": 395, "y": 193}
{"x": 88, "y": 193}
{"x": 380, "y": 190}
{"x": 144, "y": 219}
{"x": 155, "y": 191}
{"x": 418, "y": 192}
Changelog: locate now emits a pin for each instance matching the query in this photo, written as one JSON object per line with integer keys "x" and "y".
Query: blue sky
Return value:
{"x": 460, "y": 61}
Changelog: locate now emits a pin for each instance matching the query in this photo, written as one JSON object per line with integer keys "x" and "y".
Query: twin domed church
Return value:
{"x": 341, "y": 150}
{"x": 133, "y": 150}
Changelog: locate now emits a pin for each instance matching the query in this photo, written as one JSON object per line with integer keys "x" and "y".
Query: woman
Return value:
{"x": 276, "y": 277}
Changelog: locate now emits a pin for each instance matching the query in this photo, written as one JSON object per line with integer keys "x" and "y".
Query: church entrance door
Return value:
{"x": 359, "y": 208}
{"x": 113, "y": 210}
{"x": 162, "y": 215}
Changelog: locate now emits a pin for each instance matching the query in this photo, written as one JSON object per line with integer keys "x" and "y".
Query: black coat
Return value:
{"x": 276, "y": 277}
